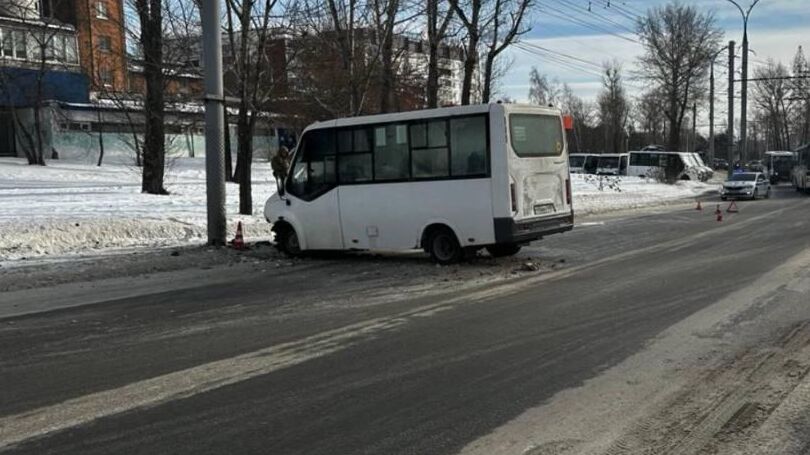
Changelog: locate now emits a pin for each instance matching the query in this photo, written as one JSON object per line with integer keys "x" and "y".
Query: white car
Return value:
{"x": 746, "y": 185}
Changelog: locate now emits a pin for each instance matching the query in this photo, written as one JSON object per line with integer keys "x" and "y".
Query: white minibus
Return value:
{"x": 612, "y": 164}
{"x": 779, "y": 165}
{"x": 449, "y": 181}
{"x": 579, "y": 163}
{"x": 651, "y": 164}
{"x": 801, "y": 169}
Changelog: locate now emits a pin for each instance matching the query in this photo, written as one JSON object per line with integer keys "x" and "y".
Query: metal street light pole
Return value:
{"x": 214, "y": 121}
{"x": 744, "y": 100}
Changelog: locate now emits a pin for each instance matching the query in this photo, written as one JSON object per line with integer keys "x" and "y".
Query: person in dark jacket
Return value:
{"x": 280, "y": 164}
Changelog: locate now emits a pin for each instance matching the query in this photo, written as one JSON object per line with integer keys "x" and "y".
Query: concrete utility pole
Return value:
{"x": 214, "y": 121}
{"x": 730, "y": 106}
{"x": 711, "y": 106}
{"x": 744, "y": 100}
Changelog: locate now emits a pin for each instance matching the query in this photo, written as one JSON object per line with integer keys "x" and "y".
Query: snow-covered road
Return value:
{"x": 70, "y": 208}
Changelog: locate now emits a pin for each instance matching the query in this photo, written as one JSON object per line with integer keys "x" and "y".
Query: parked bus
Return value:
{"x": 801, "y": 169}
{"x": 582, "y": 163}
{"x": 449, "y": 181}
{"x": 651, "y": 164}
{"x": 779, "y": 165}
{"x": 612, "y": 164}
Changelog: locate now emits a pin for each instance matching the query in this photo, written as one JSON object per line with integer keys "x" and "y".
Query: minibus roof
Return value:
{"x": 429, "y": 113}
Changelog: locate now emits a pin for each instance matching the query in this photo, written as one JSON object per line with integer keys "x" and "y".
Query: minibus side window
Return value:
{"x": 355, "y": 155}
{"x": 468, "y": 146}
{"x": 313, "y": 170}
{"x": 391, "y": 152}
{"x": 429, "y": 153}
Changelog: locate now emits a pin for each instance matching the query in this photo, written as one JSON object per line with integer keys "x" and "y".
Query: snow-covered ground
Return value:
{"x": 626, "y": 193}
{"x": 69, "y": 208}
{"x": 66, "y": 208}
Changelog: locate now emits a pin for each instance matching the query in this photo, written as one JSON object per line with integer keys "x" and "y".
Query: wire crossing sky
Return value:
{"x": 571, "y": 38}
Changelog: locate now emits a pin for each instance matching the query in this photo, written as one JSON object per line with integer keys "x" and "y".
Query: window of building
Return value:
{"x": 20, "y": 47}
{"x": 8, "y": 43}
{"x": 48, "y": 50}
{"x": 101, "y": 10}
{"x": 71, "y": 56}
{"x": 58, "y": 44}
{"x": 105, "y": 76}
{"x": 104, "y": 43}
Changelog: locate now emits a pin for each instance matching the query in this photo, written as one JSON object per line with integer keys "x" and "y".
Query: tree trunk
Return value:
{"x": 433, "y": 75}
{"x": 487, "y": 89}
{"x": 154, "y": 152}
{"x": 244, "y": 132}
{"x": 100, "y": 139}
{"x": 470, "y": 62}
{"x": 387, "y": 73}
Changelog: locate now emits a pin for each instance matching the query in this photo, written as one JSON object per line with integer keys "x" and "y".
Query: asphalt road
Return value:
{"x": 242, "y": 368}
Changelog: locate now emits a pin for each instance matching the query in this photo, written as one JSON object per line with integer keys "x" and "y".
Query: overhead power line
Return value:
{"x": 593, "y": 13}
{"x": 566, "y": 16}
{"x": 782, "y": 78}
{"x": 609, "y": 5}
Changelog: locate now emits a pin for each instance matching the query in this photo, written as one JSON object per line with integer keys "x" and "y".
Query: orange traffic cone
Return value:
{"x": 732, "y": 208}
{"x": 699, "y": 207}
{"x": 238, "y": 242}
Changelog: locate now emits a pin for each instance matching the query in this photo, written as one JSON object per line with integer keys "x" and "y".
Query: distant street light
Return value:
{"x": 744, "y": 107}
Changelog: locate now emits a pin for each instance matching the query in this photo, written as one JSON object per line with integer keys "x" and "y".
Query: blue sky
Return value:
{"x": 776, "y": 29}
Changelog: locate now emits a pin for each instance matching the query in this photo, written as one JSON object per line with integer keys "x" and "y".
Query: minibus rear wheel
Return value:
{"x": 443, "y": 246}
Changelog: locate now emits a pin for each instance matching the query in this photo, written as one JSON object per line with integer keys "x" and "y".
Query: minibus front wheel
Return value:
{"x": 287, "y": 239}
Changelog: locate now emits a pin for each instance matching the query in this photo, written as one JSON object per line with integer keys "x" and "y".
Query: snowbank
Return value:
{"x": 627, "y": 193}
{"x": 67, "y": 208}
{"x": 75, "y": 208}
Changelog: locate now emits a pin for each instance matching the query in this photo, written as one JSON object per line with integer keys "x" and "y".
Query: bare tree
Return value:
{"x": 507, "y": 24}
{"x": 679, "y": 43}
{"x": 649, "y": 117}
{"x": 385, "y": 19}
{"x": 149, "y": 14}
{"x": 613, "y": 107}
{"x": 773, "y": 97}
{"x": 801, "y": 94}
{"x": 543, "y": 91}
{"x": 438, "y": 23}
{"x": 494, "y": 23}
{"x": 583, "y": 115}
{"x": 469, "y": 12}
{"x": 248, "y": 33}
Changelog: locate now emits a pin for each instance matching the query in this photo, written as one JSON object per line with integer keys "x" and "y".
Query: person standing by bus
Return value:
{"x": 280, "y": 164}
